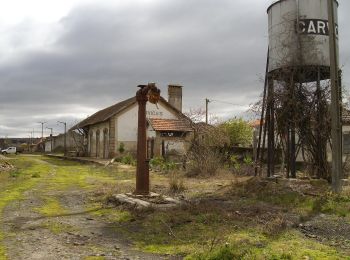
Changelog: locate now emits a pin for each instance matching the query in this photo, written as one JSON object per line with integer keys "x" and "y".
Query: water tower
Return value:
{"x": 298, "y": 54}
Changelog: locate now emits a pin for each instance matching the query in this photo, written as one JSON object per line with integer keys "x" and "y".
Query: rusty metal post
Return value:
{"x": 146, "y": 93}
{"x": 142, "y": 171}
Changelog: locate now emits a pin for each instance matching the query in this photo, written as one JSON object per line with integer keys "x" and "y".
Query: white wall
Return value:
{"x": 127, "y": 121}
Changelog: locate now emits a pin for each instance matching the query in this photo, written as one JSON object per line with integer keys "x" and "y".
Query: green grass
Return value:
{"x": 52, "y": 207}
{"x": 203, "y": 231}
{"x": 58, "y": 228}
{"x": 110, "y": 214}
{"x": 290, "y": 245}
{"x": 57, "y": 175}
{"x": 13, "y": 186}
{"x": 202, "y": 234}
{"x": 70, "y": 174}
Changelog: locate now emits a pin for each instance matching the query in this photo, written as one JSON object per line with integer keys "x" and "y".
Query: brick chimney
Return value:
{"x": 175, "y": 96}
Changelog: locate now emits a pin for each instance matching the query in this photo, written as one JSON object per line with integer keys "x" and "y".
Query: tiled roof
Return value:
{"x": 181, "y": 125}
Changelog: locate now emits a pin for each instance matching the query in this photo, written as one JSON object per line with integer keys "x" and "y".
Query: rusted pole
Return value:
{"x": 262, "y": 117}
{"x": 145, "y": 93}
{"x": 142, "y": 172}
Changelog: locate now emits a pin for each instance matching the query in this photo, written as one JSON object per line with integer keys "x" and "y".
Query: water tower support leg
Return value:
{"x": 271, "y": 130}
{"x": 318, "y": 127}
{"x": 292, "y": 131}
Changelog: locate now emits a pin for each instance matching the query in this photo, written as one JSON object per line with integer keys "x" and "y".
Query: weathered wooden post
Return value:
{"x": 146, "y": 93}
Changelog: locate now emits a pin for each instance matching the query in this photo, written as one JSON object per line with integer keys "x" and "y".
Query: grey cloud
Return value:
{"x": 216, "y": 49}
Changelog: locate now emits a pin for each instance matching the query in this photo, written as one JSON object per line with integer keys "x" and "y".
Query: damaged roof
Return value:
{"x": 179, "y": 125}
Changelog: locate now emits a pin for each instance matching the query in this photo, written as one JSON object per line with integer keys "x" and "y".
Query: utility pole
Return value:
{"x": 335, "y": 103}
{"x": 206, "y": 110}
{"x": 51, "y": 135}
{"x": 65, "y": 136}
{"x": 29, "y": 141}
{"x": 42, "y": 136}
{"x": 42, "y": 129}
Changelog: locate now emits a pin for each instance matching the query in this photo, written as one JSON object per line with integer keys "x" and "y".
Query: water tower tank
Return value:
{"x": 308, "y": 49}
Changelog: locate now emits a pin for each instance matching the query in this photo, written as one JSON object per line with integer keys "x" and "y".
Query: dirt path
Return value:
{"x": 73, "y": 234}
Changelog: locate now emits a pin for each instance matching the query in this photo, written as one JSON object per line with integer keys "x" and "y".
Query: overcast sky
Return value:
{"x": 66, "y": 59}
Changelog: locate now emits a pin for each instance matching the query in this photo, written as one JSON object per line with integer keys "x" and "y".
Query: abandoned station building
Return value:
{"x": 114, "y": 128}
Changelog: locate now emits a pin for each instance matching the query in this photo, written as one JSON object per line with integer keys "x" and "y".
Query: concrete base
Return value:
{"x": 153, "y": 200}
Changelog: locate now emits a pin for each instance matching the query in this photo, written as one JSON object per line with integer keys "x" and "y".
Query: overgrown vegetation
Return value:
{"x": 162, "y": 165}
{"x": 232, "y": 218}
{"x": 127, "y": 159}
{"x": 239, "y": 132}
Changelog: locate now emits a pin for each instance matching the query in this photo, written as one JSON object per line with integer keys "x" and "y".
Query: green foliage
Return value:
{"x": 121, "y": 148}
{"x": 160, "y": 164}
{"x": 239, "y": 131}
{"x": 128, "y": 159}
{"x": 157, "y": 162}
{"x": 332, "y": 203}
{"x": 234, "y": 162}
{"x": 247, "y": 160}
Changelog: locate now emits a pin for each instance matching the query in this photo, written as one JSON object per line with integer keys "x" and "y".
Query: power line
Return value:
{"x": 225, "y": 102}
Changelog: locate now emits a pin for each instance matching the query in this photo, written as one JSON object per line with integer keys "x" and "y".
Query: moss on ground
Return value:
{"x": 52, "y": 207}
{"x": 14, "y": 187}
{"x": 290, "y": 245}
{"x": 111, "y": 214}
{"x": 58, "y": 228}
{"x": 249, "y": 227}
{"x": 57, "y": 175}
{"x": 215, "y": 236}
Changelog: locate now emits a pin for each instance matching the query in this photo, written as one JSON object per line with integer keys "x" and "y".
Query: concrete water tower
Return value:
{"x": 299, "y": 53}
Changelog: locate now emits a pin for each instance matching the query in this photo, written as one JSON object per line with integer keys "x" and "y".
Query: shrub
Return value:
{"x": 156, "y": 163}
{"x": 203, "y": 160}
{"x": 128, "y": 159}
{"x": 239, "y": 131}
{"x": 160, "y": 164}
{"x": 248, "y": 160}
{"x": 234, "y": 162}
{"x": 121, "y": 148}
